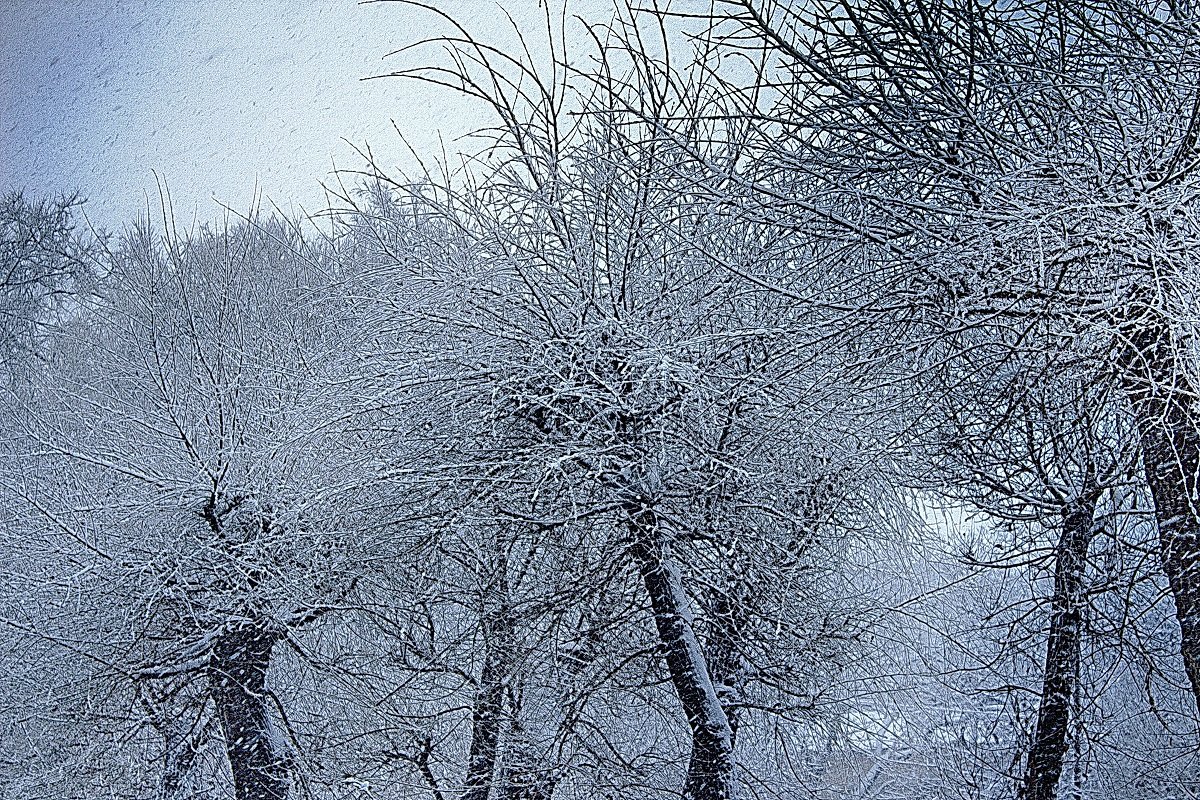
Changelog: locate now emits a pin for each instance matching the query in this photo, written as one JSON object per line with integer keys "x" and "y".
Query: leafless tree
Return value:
{"x": 187, "y": 461}
{"x": 1017, "y": 161}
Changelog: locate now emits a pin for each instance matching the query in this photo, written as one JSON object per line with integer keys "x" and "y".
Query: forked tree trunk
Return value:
{"x": 237, "y": 673}
{"x": 711, "y": 771}
{"x": 1164, "y": 403}
{"x": 1044, "y": 764}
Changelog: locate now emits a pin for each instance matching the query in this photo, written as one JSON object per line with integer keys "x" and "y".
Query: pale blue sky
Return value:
{"x": 215, "y": 96}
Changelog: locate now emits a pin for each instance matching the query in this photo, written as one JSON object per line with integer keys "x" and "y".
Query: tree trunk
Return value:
{"x": 1043, "y": 767}
{"x": 241, "y": 655}
{"x": 726, "y": 663}
{"x": 1163, "y": 401}
{"x": 527, "y": 785}
{"x": 711, "y": 769}
{"x": 486, "y": 716}
{"x": 524, "y": 779}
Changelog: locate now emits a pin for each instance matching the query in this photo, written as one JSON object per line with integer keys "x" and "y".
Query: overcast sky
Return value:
{"x": 216, "y": 96}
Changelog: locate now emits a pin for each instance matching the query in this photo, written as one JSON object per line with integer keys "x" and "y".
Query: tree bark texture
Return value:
{"x": 487, "y": 714}
{"x": 711, "y": 771}
{"x": 727, "y": 615}
{"x": 1060, "y": 675}
{"x": 1164, "y": 404}
{"x": 523, "y": 780}
{"x": 241, "y": 655}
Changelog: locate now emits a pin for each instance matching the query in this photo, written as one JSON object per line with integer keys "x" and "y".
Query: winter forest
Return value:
{"x": 788, "y": 399}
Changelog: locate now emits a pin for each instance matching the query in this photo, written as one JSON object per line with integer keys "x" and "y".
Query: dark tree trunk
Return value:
{"x": 489, "y": 698}
{"x": 237, "y": 672}
{"x": 527, "y": 786}
{"x": 711, "y": 771}
{"x": 1164, "y": 403}
{"x": 524, "y": 780}
{"x": 727, "y": 666}
{"x": 1043, "y": 767}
